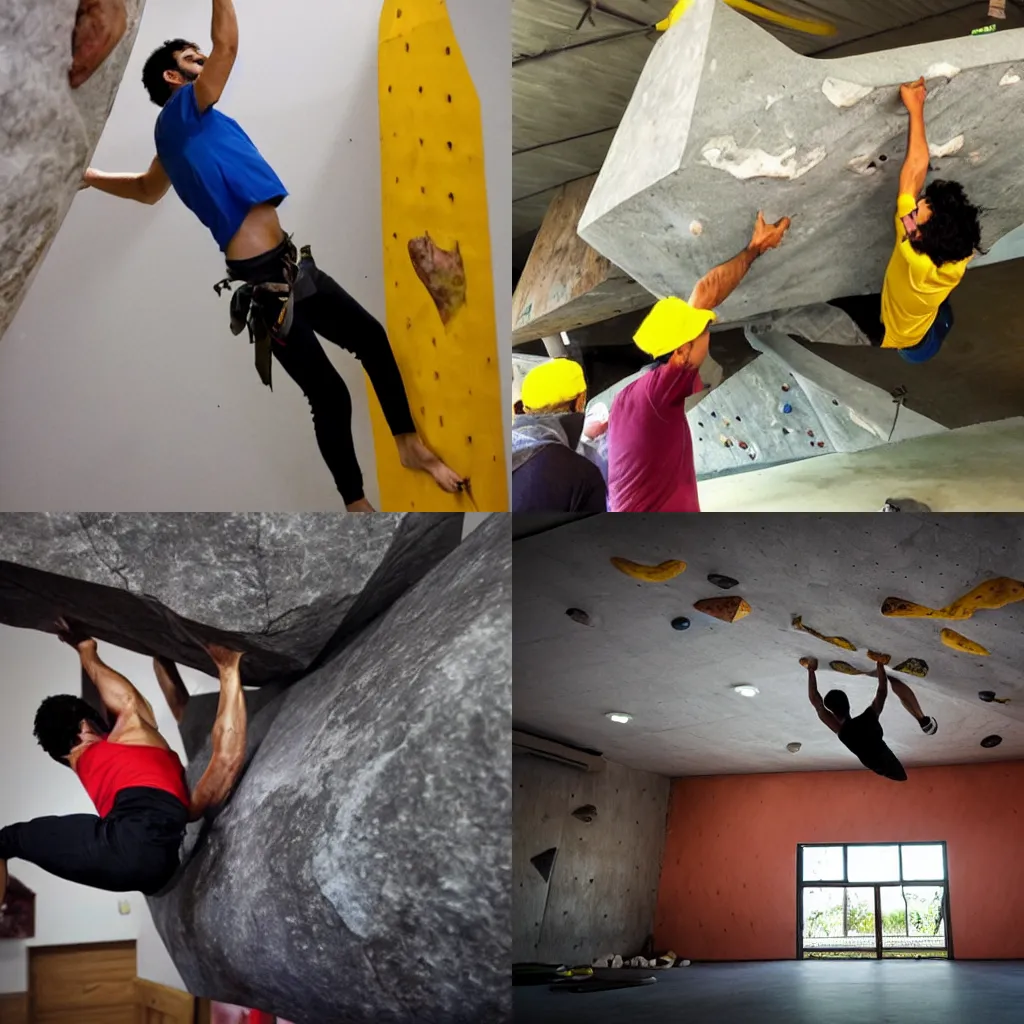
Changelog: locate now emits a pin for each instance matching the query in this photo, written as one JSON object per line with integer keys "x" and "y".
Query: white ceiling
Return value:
{"x": 834, "y": 570}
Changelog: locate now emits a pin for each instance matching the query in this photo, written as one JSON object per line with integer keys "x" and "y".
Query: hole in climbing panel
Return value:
{"x": 882, "y": 157}
{"x": 447, "y": 51}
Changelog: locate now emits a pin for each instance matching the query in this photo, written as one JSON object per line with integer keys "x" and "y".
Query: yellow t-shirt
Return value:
{"x": 914, "y": 287}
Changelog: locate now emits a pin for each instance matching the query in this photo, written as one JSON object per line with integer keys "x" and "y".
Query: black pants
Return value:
{"x": 335, "y": 315}
{"x": 133, "y": 849}
{"x": 866, "y": 312}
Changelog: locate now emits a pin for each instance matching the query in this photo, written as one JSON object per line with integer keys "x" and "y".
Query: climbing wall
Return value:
{"x": 789, "y": 404}
{"x": 600, "y": 892}
{"x": 437, "y": 263}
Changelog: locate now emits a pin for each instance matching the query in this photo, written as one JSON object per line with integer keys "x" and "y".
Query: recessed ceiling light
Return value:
{"x": 619, "y": 716}
{"x": 745, "y": 690}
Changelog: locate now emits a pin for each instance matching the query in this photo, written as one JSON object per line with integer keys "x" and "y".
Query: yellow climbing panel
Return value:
{"x": 434, "y": 195}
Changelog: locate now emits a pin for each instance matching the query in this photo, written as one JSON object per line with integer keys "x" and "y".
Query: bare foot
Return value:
{"x": 811, "y": 663}
{"x": 99, "y": 27}
{"x": 362, "y": 505}
{"x": 414, "y": 454}
{"x": 223, "y": 657}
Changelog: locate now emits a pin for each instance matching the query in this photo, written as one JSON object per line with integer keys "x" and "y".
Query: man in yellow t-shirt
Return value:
{"x": 937, "y": 235}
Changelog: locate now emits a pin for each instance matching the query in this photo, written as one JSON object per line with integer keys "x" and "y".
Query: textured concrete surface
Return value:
{"x": 725, "y": 120}
{"x": 972, "y": 469}
{"x": 287, "y": 589}
{"x": 941, "y": 992}
{"x": 48, "y": 132}
{"x": 601, "y": 894}
{"x": 834, "y": 570}
{"x": 366, "y": 845}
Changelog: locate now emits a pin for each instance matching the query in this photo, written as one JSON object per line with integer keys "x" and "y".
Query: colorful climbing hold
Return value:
{"x": 728, "y": 609}
{"x": 578, "y": 615}
{"x": 993, "y": 593}
{"x": 821, "y": 444}
{"x": 836, "y": 641}
{"x": 951, "y": 638}
{"x": 785, "y": 387}
{"x": 988, "y": 696}
{"x": 847, "y": 669}
{"x": 725, "y": 582}
{"x": 787, "y": 408}
{"x": 743, "y": 444}
{"x": 878, "y": 659}
{"x": 913, "y": 667}
{"x": 810, "y": 433}
{"x": 650, "y": 573}
{"x": 992, "y": 741}
{"x": 785, "y": 430}
{"x": 681, "y": 623}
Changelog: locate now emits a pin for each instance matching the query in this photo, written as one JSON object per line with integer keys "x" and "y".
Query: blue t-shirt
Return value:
{"x": 213, "y": 165}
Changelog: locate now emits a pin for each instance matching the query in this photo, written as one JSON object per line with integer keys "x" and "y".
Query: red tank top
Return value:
{"x": 106, "y": 768}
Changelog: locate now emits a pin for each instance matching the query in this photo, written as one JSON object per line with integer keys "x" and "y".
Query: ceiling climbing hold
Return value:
{"x": 725, "y": 582}
{"x": 727, "y": 609}
{"x": 951, "y": 638}
{"x": 650, "y": 573}
{"x": 578, "y": 615}
{"x": 992, "y": 741}
{"x": 913, "y": 667}
{"x": 836, "y": 641}
{"x": 993, "y": 593}
{"x": 681, "y": 623}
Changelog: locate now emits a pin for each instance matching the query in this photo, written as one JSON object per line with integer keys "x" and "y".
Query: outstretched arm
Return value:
{"x": 883, "y": 689}
{"x": 815, "y": 698}
{"x": 149, "y": 187}
{"x": 915, "y": 165}
{"x": 224, "y": 33}
{"x": 720, "y": 282}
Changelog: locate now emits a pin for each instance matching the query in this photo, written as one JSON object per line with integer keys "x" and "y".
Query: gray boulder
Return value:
{"x": 286, "y": 589}
{"x": 48, "y": 131}
{"x": 360, "y": 871}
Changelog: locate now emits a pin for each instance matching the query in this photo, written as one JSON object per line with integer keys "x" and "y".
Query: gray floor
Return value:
{"x": 798, "y": 992}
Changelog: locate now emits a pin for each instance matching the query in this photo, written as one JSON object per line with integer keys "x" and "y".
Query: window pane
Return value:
{"x": 922, "y": 862}
{"x": 823, "y": 864}
{"x": 837, "y": 917}
{"x": 912, "y": 917}
{"x": 873, "y": 863}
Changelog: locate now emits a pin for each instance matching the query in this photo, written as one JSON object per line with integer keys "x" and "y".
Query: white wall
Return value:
{"x": 119, "y": 374}
{"x": 36, "y": 665}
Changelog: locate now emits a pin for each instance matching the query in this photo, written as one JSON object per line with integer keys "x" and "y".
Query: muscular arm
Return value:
{"x": 720, "y": 282}
{"x": 224, "y": 33}
{"x": 117, "y": 693}
{"x": 819, "y": 705}
{"x": 883, "y": 689}
{"x": 915, "y": 165}
{"x": 149, "y": 187}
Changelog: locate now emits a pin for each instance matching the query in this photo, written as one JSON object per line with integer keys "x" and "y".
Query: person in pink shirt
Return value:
{"x": 650, "y": 451}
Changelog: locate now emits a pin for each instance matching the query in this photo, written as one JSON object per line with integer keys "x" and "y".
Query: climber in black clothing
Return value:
{"x": 863, "y": 734}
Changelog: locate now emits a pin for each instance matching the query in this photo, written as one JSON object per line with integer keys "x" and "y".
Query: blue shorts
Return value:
{"x": 930, "y": 344}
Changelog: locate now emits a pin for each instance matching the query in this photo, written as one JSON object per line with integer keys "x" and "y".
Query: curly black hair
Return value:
{"x": 838, "y": 703}
{"x": 953, "y": 231}
{"x": 158, "y": 62}
{"x": 58, "y": 722}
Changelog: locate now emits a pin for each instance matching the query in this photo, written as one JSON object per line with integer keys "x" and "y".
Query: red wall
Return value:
{"x": 728, "y": 881}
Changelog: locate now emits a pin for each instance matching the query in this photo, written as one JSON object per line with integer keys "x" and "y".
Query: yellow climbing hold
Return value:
{"x": 814, "y": 28}
{"x": 728, "y": 609}
{"x": 650, "y": 573}
{"x": 837, "y": 641}
{"x": 847, "y": 669}
{"x": 994, "y": 593}
{"x": 959, "y": 642}
{"x": 438, "y": 274}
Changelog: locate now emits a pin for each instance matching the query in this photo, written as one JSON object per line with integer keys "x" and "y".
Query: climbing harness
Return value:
{"x": 267, "y": 308}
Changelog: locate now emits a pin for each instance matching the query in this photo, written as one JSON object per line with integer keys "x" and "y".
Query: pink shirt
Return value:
{"x": 650, "y": 451}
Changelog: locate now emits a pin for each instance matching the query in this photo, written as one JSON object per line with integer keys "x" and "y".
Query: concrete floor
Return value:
{"x": 797, "y": 992}
{"x": 978, "y": 375}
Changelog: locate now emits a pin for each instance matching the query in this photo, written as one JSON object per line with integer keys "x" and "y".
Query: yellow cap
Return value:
{"x": 670, "y": 324}
{"x": 553, "y": 383}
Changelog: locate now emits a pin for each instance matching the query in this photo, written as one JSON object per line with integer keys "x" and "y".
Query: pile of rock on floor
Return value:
{"x": 662, "y": 962}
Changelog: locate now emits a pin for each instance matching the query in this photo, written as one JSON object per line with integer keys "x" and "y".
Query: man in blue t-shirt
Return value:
{"x": 223, "y": 179}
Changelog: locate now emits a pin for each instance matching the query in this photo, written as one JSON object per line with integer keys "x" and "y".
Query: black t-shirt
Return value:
{"x": 558, "y": 479}
{"x": 863, "y": 736}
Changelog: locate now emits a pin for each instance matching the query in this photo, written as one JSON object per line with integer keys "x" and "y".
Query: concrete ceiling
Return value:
{"x": 835, "y": 570}
{"x": 570, "y": 86}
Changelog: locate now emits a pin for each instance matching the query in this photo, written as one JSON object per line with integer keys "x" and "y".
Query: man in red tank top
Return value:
{"x": 133, "y": 777}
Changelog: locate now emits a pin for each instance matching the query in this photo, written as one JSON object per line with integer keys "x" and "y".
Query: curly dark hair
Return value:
{"x": 838, "y": 703}
{"x": 160, "y": 61}
{"x": 58, "y": 722}
{"x": 953, "y": 231}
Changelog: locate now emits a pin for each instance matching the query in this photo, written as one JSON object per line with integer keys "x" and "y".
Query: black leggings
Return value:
{"x": 133, "y": 849}
{"x": 866, "y": 313}
{"x": 336, "y": 316}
